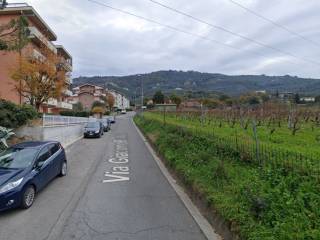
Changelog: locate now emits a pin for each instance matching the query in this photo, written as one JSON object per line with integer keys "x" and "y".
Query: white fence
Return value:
{"x": 56, "y": 120}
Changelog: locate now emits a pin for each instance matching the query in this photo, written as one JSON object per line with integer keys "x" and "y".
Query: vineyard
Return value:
{"x": 257, "y": 168}
{"x": 269, "y": 136}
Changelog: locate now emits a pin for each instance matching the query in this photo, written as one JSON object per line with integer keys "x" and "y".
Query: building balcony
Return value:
{"x": 67, "y": 92}
{"x": 36, "y": 35}
{"x": 37, "y": 55}
{"x": 65, "y": 105}
{"x": 66, "y": 65}
{"x": 52, "y": 102}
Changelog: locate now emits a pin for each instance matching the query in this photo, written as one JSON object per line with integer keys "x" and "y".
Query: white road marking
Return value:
{"x": 121, "y": 157}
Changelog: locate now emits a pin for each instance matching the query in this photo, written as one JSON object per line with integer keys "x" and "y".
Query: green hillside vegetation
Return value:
{"x": 191, "y": 82}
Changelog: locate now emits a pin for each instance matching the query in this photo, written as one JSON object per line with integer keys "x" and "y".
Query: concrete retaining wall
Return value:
{"x": 64, "y": 134}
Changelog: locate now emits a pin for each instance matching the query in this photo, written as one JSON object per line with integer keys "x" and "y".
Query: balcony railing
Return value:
{"x": 52, "y": 102}
{"x": 35, "y": 33}
{"x": 56, "y": 120}
{"x": 37, "y": 55}
{"x": 67, "y": 92}
{"x": 65, "y": 105}
{"x": 66, "y": 65}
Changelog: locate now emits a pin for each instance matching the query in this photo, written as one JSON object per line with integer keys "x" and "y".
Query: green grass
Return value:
{"x": 269, "y": 204}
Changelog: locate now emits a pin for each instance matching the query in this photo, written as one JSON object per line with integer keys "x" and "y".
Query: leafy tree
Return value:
{"x": 110, "y": 101}
{"x": 251, "y": 99}
{"x": 14, "y": 35}
{"x": 264, "y": 97}
{"x": 98, "y": 110}
{"x": 38, "y": 80}
{"x": 224, "y": 97}
{"x": 211, "y": 103}
{"x": 145, "y": 101}
{"x": 77, "y": 107}
{"x": 176, "y": 99}
{"x": 296, "y": 98}
{"x": 158, "y": 97}
{"x": 97, "y": 104}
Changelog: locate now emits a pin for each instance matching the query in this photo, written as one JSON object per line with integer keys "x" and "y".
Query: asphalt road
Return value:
{"x": 114, "y": 190}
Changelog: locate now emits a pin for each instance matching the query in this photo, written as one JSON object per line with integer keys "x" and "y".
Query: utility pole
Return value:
{"x": 142, "y": 95}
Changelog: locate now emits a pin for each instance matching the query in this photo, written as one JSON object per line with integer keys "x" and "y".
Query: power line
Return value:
{"x": 234, "y": 33}
{"x": 163, "y": 25}
{"x": 190, "y": 33}
{"x": 274, "y": 23}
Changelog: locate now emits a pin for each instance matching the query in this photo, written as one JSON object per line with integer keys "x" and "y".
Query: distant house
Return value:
{"x": 87, "y": 94}
{"x": 286, "y": 96}
{"x": 191, "y": 103}
{"x": 261, "y": 92}
{"x": 307, "y": 99}
{"x": 150, "y": 102}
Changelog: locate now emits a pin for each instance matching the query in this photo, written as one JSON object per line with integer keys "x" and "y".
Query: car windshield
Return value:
{"x": 17, "y": 157}
{"x": 92, "y": 125}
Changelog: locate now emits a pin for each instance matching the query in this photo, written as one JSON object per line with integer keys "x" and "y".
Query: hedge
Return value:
{"x": 13, "y": 115}
{"x": 75, "y": 113}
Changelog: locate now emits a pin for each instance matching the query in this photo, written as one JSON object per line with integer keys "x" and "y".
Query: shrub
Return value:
{"x": 13, "y": 116}
{"x": 75, "y": 113}
{"x": 82, "y": 114}
{"x": 67, "y": 113}
{"x": 97, "y": 110}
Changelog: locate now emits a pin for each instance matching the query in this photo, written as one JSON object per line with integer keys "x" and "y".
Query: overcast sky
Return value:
{"x": 106, "y": 42}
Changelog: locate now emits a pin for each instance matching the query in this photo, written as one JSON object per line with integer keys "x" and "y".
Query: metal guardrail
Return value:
{"x": 57, "y": 120}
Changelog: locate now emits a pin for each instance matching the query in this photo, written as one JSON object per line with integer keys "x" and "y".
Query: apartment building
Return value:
{"x": 121, "y": 101}
{"x": 41, "y": 37}
{"x": 87, "y": 94}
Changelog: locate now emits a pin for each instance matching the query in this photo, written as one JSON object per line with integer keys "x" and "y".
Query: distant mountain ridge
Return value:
{"x": 186, "y": 81}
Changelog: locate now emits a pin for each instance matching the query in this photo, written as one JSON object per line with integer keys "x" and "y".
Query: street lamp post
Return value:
{"x": 142, "y": 95}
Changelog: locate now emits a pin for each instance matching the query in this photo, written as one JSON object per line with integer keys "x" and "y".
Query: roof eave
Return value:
{"x": 29, "y": 11}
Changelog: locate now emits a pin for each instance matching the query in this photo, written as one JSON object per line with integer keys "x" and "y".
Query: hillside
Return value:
{"x": 179, "y": 81}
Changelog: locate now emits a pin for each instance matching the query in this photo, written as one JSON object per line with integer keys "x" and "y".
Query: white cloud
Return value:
{"x": 105, "y": 42}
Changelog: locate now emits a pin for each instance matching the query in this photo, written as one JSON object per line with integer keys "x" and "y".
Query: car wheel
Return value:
{"x": 28, "y": 197}
{"x": 64, "y": 169}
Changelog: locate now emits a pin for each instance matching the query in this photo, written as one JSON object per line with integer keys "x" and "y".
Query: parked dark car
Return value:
{"x": 93, "y": 129}
{"x": 26, "y": 168}
{"x": 112, "y": 119}
{"x": 106, "y": 124}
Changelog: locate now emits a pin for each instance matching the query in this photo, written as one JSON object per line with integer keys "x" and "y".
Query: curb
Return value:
{"x": 67, "y": 145}
{"x": 204, "y": 225}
